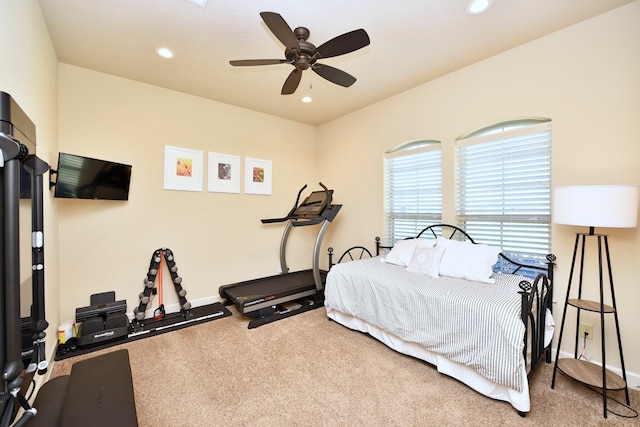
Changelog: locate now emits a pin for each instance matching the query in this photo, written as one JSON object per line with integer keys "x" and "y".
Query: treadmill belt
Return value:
{"x": 273, "y": 286}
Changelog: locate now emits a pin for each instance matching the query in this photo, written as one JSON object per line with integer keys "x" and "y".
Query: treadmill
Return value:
{"x": 272, "y": 298}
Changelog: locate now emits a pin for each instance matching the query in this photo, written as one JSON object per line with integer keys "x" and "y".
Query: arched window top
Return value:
{"x": 503, "y": 126}
{"x": 412, "y": 145}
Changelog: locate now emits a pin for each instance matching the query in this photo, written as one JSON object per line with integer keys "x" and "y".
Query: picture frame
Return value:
{"x": 223, "y": 173}
{"x": 183, "y": 169}
{"x": 258, "y": 176}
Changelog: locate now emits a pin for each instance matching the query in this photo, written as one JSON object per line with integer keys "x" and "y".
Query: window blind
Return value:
{"x": 504, "y": 189}
{"x": 413, "y": 191}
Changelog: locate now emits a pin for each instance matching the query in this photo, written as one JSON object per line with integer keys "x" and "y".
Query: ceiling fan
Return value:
{"x": 303, "y": 55}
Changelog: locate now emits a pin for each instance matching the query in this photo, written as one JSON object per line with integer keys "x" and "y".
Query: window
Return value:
{"x": 504, "y": 188}
{"x": 413, "y": 189}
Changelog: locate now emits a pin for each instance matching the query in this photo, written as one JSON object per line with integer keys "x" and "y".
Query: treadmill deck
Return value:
{"x": 264, "y": 292}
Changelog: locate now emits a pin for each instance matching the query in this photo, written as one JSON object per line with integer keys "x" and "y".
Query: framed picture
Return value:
{"x": 257, "y": 176}
{"x": 182, "y": 169}
{"x": 224, "y": 173}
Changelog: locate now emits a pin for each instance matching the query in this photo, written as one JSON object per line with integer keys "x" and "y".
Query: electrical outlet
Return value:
{"x": 588, "y": 329}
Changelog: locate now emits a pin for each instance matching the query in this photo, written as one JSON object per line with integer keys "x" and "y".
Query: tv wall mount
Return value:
{"x": 52, "y": 172}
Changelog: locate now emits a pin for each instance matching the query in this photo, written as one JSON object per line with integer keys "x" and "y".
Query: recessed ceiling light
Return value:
{"x": 476, "y": 7}
{"x": 164, "y": 52}
{"x": 307, "y": 99}
{"x": 201, "y": 3}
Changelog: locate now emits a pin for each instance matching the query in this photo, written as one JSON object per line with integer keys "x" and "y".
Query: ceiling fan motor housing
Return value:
{"x": 305, "y": 58}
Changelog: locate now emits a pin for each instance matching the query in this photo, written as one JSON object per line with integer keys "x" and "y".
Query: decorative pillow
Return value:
{"x": 466, "y": 260}
{"x": 426, "y": 260}
{"x": 403, "y": 251}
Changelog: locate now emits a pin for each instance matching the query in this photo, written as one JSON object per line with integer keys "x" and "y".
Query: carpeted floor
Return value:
{"x": 309, "y": 371}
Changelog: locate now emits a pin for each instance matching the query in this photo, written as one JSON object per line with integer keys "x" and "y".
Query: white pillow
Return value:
{"x": 466, "y": 260}
{"x": 426, "y": 260}
{"x": 402, "y": 252}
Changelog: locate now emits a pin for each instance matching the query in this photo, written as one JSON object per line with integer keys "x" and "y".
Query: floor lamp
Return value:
{"x": 609, "y": 206}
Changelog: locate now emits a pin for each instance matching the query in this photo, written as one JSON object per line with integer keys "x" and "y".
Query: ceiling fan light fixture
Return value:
{"x": 164, "y": 52}
{"x": 476, "y": 7}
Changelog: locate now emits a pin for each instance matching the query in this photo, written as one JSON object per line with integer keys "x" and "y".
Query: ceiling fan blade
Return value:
{"x": 280, "y": 29}
{"x": 292, "y": 82}
{"x": 334, "y": 75}
{"x": 348, "y": 42}
{"x": 251, "y": 62}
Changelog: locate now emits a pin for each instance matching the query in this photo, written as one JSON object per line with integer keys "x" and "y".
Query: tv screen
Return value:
{"x": 86, "y": 178}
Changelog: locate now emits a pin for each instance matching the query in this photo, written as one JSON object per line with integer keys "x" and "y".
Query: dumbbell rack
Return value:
{"x": 139, "y": 323}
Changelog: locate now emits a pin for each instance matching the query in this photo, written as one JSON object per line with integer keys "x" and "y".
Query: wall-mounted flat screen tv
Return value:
{"x": 82, "y": 177}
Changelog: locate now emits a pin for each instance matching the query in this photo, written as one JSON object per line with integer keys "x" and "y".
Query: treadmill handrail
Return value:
{"x": 272, "y": 220}
{"x": 290, "y": 214}
{"x": 327, "y": 193}
{"x": 295, "y": 206}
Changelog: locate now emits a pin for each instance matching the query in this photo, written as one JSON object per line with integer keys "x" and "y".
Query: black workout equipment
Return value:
{"x": 98, "y": 392}
{"x": 102, "y": 305}
{"x": 104, "y": 320}
{"x": 139, "y": 323}
{"x": 105, "y": 323}
{"x": 17, "y": 132}
{"x": 201, "y": 314}
{"x": 35, "y": 168}
{"x": 162, "y": 321}
{"x": 272, "y": 298}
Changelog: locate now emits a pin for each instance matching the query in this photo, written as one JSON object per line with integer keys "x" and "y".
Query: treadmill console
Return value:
{"x": 313, "y": 205}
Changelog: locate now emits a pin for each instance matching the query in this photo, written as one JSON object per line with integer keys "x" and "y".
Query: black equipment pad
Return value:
{"x": 97, "y": 393}
{"x": 49, "y": 402}
{"x": 100, "y": 393}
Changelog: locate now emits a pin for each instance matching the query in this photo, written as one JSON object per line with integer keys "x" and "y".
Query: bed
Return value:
{"x": 438, "y": 297}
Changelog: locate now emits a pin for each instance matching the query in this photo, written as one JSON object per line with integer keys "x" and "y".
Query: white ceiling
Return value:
{"x": 412, "y": 42}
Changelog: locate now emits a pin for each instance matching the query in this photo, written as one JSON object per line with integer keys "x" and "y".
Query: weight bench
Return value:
{"x": 97, "y": 393}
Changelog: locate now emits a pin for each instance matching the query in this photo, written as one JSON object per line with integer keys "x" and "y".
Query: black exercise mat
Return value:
{"x": 100, "y": 393}
{"x": 152, "y": 327}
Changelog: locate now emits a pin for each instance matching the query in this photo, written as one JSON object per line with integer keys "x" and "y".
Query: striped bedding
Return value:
{"x": 475, "y": 324}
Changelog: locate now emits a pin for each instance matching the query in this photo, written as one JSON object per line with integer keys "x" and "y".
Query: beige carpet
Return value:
{"x": 309, "y": 371}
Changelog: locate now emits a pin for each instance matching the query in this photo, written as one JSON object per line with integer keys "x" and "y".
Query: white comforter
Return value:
{"x": 475, "y": 324}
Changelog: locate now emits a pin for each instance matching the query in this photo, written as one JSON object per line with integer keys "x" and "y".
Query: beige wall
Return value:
{"x": 28, "y": 72}
{"x": 216, "y": 238}
{"x": 585, "y": 78}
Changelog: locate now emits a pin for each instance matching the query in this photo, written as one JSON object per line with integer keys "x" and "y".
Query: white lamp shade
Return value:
{"x": 614, "y": 206}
